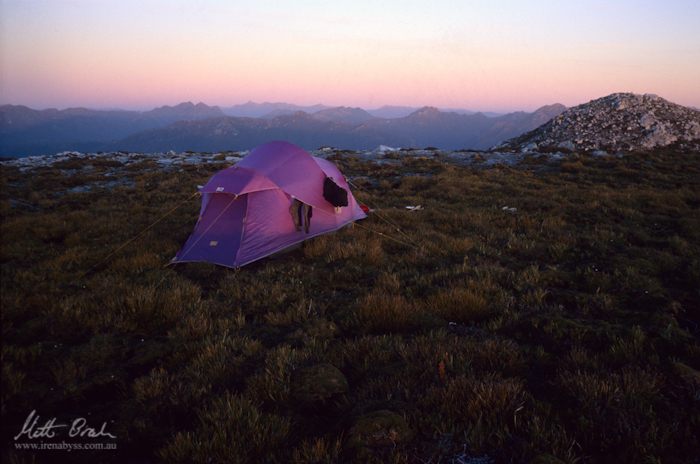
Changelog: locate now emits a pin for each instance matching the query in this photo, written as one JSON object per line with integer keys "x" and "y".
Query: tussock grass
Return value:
{"x": 487, "y": 407}
{"x": 459, "y": 305}
{"x": 566, "y": 329}
{"x": 382, "y": 312}
{"x": 231, "y": 428}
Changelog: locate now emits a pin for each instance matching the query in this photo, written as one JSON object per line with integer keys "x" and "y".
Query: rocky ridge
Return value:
{"x": 616, "y": 123}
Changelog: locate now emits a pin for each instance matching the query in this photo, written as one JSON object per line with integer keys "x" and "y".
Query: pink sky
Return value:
{"x": 516, "y": 55}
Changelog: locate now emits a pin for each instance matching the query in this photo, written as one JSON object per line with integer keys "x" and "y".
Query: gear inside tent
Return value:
{"x": 270, "y": 200}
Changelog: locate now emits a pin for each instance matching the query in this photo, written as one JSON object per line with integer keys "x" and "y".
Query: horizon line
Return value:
{"x": 144, "y": 108}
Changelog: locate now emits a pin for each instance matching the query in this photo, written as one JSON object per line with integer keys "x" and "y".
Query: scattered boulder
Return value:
{"x": 529, "y": 147}
{"x": 567, "y": 145}
{"x": 318, "y": 384}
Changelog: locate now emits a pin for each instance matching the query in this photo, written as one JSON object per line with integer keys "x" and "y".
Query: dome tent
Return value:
{"x": 248, "y": 212}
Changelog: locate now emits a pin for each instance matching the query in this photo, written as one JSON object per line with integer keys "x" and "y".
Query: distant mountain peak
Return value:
{"x": 186, "y": 106}
{"x": 183, "y": 105}
{"x": 343, "y": 114}
{"x": 342, "y": 109}
{"x": 557, "y": 108}
{"x": 427, "y": 110}
{"x": 268, "y": 110}
{"x": 427, "y": 114}
{"x": 617, "y": 122}
{"x": 185, "y": 111}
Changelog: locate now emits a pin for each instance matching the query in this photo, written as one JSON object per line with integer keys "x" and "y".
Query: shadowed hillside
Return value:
{"x": 24, "y": 131}
{"x": 342, "y": 127}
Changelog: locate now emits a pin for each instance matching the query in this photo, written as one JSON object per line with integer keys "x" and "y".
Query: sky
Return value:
{"x": 482, "y": 55}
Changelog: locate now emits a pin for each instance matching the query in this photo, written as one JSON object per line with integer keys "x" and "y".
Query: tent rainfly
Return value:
{"x": 273, "y": 198}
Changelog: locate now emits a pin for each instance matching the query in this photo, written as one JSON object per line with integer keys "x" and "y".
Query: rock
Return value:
{"x": 385, "y": 149}
{"x": 318, "y": 384}
{"x": 662, "y": 135}
{"x": 567, "y": 145}
{"x": 379, "y": 429}
{"x": 529, "y": 147}
{"x": 647, "y": 121}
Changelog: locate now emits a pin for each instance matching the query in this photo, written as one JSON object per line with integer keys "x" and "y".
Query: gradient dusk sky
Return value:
{"x": 483, "y": 55}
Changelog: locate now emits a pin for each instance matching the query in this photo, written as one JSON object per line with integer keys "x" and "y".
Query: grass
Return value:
{"x": 564, "y": 331}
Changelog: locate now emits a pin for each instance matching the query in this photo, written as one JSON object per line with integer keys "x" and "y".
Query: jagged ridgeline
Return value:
{"x": 26, "y": 132}
{"x": 617, "y": 122}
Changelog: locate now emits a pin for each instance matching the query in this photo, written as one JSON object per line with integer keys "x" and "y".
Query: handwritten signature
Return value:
{"x": 32, "y": 428}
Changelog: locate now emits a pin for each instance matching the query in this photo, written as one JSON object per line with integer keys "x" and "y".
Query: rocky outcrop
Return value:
{"x": 618, "y": 122}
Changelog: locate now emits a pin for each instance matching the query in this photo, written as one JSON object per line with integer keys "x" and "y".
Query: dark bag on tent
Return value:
{"x": 334, "y": 194}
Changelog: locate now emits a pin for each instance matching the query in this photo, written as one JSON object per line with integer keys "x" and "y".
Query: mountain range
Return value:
{"x": 25, "y": 131}
{"x": 187, "y": 126}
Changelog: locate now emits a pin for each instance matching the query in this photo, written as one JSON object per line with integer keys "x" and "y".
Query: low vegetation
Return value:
{"x": 547, "y": 312}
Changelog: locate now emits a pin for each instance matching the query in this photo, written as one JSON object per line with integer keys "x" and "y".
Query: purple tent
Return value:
{"x": 247, "y": 210}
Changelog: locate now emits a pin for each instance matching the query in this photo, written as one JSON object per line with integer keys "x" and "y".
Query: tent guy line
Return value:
{"x": 416, "y": 247}
{"x": 132, "y": 239}
{"x": 383, "y": 218}
{"x": 234, "y": 198}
